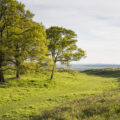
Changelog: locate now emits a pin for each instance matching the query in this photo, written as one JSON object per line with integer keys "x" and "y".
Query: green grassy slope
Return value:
{"x": 34, "y": 93}
{"x": 104, "y": 106}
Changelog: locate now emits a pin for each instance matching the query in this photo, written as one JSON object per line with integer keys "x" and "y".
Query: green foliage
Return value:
{"x": 70, "y": 71}
{"x": 21, "y": 38}
{"x": 27, "y": 67}
{"x": 33, "y": 46}
{"x": 62, "y": 46}
{"x": 9, "y": 16}
{"x": 33, "y": 67}
{"x": 10, "y": 13}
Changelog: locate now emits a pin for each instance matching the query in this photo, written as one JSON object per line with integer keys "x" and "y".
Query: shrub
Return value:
{"x": 70, "y": 71}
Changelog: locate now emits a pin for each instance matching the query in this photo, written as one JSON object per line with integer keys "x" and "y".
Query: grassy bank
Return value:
{"x": 29, "y": 96}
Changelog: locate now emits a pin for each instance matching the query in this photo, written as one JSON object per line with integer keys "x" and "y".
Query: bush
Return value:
{"x": 70, "y": 71}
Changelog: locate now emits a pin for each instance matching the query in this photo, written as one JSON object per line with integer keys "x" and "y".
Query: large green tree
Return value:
{"x": 30, "y": 46}
{"x": 21, "y": 38}
{"x": 62, "y": 46}
{"x": 10, "y": 11}
{"x": 28, "y": 41}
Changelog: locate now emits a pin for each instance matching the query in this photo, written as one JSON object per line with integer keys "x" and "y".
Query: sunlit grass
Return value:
{"x": 34, "y": 93}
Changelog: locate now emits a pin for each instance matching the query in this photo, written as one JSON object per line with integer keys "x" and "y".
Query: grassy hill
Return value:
{"x": 33, "y": 94}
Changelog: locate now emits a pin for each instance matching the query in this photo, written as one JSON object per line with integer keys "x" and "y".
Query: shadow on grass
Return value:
{"x": 108, "y": 72}
{"x": 28, "y": 82}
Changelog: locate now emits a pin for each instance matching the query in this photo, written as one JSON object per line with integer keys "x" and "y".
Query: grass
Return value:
{"x": 104, "y": 106}
{"x": 28, "y": 97}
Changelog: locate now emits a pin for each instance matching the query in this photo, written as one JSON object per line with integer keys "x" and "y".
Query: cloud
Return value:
{"x": 95, "y": 21}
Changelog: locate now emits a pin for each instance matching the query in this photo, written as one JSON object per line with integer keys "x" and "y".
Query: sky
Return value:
{"x": 96, "y": 22}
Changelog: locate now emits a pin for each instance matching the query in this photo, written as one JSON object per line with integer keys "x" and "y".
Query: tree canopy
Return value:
{"x": 21, "y": 38}
{"x": 62, "y": 46}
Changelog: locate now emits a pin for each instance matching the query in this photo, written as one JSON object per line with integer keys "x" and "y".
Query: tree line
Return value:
{"x": 22, "y": 40}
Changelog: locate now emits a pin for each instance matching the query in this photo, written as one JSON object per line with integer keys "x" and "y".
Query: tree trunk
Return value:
{"x": 1, "y": 77}
{"x": 17, "y": 74}
{"x": 1, "y": 57}
{"x": 1, "y": 74}
{"x": 17, "y": 69}
{"x": 53, "y": 70}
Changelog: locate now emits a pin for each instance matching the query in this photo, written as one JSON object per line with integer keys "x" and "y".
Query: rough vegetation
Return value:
{"x": 104, "y": 106}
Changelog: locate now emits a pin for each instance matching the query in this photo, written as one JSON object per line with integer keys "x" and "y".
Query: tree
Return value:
{"x": 29, "y": 46}
{"x": 10, "y": 11}
{"x": 28, "y": 41}
{"x": 21, "y": 39}
{"x": 62, "y": 46}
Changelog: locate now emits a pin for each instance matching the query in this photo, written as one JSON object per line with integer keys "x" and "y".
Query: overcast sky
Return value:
{"x": 96, "y": 22}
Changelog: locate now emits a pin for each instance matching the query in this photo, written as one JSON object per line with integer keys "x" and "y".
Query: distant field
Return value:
{"x": 81, "y": 67}
{"x": 30, "y": 96}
